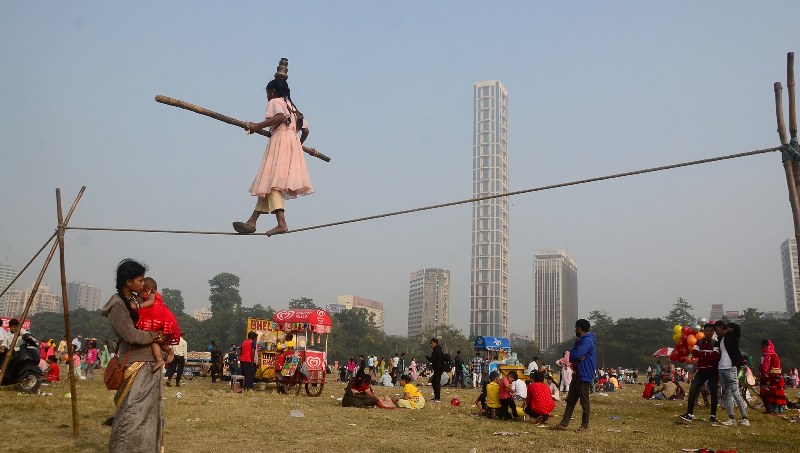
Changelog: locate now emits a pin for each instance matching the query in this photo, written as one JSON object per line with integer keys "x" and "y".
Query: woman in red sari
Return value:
{"x": 772, "y": 384}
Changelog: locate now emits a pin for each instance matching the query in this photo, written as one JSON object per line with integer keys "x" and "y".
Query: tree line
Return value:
{"x": 626, "y": 342}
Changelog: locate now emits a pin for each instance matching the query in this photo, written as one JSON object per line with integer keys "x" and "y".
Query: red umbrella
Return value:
{"x": 663, "y": 352}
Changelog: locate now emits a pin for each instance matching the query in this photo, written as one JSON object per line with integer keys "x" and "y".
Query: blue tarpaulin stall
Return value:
{"x": 492, "y": 344}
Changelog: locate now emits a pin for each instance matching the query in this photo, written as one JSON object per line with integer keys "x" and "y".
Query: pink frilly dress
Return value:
{"x": 283, "y": 167}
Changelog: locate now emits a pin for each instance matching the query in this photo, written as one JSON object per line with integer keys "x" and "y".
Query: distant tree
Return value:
{"x": 302, "y": 303}
{"x": 227, "y": 323}
{"x": 681, "y": 313}
{"x": 258, "y": 311}
{"x": 600, "y": 321}
{"x": 173, "y": 299}
{"x": 224, "y": 296}
{"x": 749, "y": 315}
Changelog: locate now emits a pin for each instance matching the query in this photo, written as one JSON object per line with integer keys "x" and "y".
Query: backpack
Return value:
{"x": 447, "y": 363}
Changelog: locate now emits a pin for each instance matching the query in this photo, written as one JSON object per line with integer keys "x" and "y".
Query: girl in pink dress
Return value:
{"x": 155, "y": 316}
{"x": 283, "y": 173}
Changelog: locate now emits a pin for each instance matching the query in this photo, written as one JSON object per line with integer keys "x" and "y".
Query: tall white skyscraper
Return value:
{"x": 428, "y": 300}
{"x": 791, "y": 275}
{"x": 489, "y": 279}
{"x": 82, "y": 295}
{"x": 7, "y": 274}
{"x": 555, "y": 281}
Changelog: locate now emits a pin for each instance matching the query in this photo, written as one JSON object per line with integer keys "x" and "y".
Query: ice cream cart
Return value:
{"x": 305, "y": 365}
{"x": 498, "y": 351}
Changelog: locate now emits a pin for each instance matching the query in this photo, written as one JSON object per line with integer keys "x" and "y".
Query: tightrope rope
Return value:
{"x": 454, "y": 203}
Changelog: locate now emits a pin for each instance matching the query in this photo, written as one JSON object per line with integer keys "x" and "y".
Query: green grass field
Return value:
{"x": 209, "y": 418}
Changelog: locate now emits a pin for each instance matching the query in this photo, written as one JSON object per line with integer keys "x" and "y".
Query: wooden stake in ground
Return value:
{"x": 227, "y": 119}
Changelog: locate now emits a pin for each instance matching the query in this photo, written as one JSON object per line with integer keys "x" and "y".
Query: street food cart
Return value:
{"x": 499, "y": 356}
{"x": 197, "y": 364}
{"x": 303, "y": 365}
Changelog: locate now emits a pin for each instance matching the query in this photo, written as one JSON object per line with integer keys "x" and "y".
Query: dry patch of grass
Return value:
{"x": 210, "y": 419}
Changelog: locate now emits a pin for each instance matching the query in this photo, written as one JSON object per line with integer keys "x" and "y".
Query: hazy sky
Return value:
{"x": 594, "y": 88}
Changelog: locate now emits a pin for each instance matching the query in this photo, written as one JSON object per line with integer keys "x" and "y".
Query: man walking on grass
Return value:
{"x": 583, "y": 359}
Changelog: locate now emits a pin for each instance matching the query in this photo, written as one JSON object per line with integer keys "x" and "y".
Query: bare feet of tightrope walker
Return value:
{"x": 280, "y": 229}
{"x": 157, "y": 366}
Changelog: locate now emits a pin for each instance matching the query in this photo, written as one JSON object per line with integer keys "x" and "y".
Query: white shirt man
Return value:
{"x": 77, "y": 343}
{"x": 180, "y": 348}
{"x": 533, "y": 366}
{"x": 519, "y": 389}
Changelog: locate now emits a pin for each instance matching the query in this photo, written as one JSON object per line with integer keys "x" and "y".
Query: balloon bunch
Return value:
{"x": 685, "y": 337}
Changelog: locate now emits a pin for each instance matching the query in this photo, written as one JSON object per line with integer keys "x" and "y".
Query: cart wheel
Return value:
{"x": 314, "y": 389}
{"x": 292, "y": 388}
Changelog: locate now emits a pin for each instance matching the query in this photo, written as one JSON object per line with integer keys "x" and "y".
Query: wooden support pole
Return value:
{"x": 67, "y": 329}
{"x": 790, "y": 87}
{"x": 226, "y": 119}
{"x": 788, "y": 165}
{"x": 23, "y": 317}
{"x": 792, "y": 116}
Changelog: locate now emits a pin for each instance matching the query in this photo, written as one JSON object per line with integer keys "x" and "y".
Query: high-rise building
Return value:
{"x": 350, "y": 301}
{"x": 7, "y": 274}
{"x": 428, "y": 300}
{"x": 555, "y": 281}
{"x": 82, "y": 295}
{"x": 201, "y": 314}
{"x": 43, "y": 301}
{"x": 489, "y": 270}
{"x": 791, "y": 275}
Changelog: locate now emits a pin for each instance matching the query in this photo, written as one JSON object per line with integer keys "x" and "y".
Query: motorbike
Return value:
{"x": 23, "y": 368}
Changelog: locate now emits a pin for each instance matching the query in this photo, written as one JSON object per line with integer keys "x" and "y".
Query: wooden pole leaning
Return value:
{"x": 788, "y": 165}
{"x": 62, "y": 223}
{"x": 226, "y": 119}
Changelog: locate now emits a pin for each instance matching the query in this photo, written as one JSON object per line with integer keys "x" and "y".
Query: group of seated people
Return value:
{"x": 668, "y": 390}
{"x": 508, "y": 397}
{"x": 358, "y": 393}
{"x": 607, "y": 382}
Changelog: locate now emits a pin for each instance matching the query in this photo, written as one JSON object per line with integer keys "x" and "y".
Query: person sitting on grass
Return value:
{"x": 493, "y": 395}
{"x": 680, "y": 394}
{"x": 648, "y": 388}
{"x": 412, "y": 397}
{"x": 52, "y": 372}
{"x": 386, "y": 379}
{"x": 480, "y": 403}
{"x": 665, "y": 391}
{"x": 539, "y": 403}
{"x": 358, "y": 392}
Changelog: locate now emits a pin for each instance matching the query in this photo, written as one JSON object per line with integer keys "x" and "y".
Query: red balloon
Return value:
{"x": 682, "y": 359}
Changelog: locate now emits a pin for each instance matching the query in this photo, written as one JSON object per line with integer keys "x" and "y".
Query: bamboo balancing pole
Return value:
{"x": 227, "y": 119}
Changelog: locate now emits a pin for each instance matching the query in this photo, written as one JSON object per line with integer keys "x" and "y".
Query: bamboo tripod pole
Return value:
{"x": 226, "y": 119}
{"x": 792, "y": 115}
{"x": 788, "y": 164}
{"x": 23, "y": 317}
{"x": 67, "y": 329}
